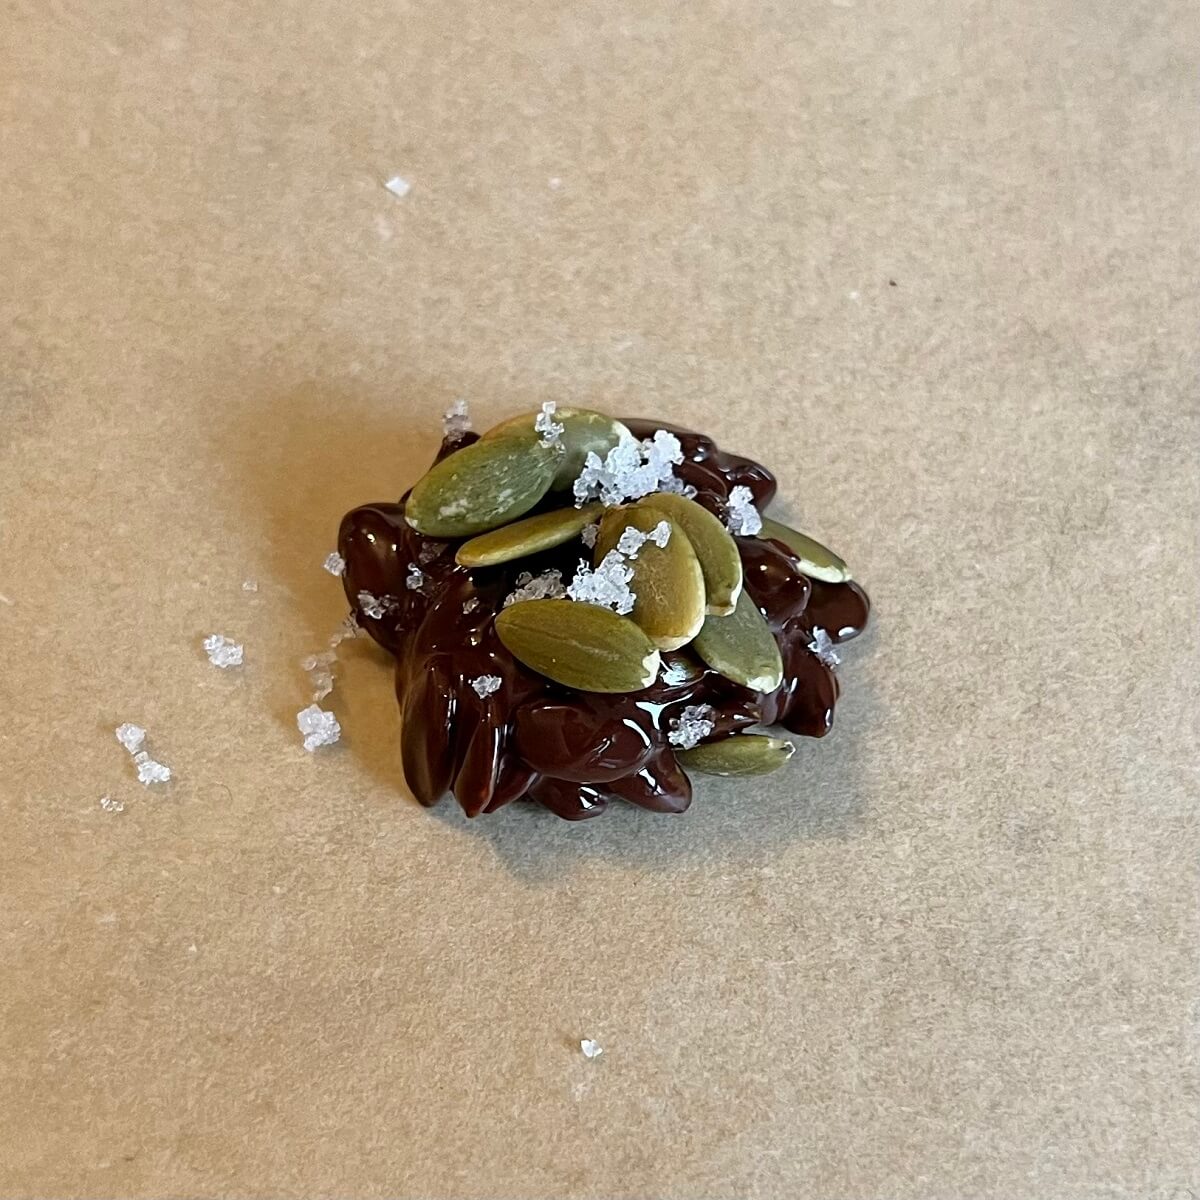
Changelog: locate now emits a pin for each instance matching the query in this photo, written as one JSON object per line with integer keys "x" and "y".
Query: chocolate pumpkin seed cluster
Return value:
{"x": 585, "y": 610}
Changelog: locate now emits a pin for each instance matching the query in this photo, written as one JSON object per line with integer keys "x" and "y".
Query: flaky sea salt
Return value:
{"x": 456, "y": 421}
{"x": 691, "y": 727}
{"x": 469, "y": 606}
{"x": 742, "y": 518}
{"x": 606, "y": 585}
{"x": 630, "y": 470}
{"x": 415, "y": 578}
{"x": 222, "y": 651}
{"x": 590, "y": 1048}
{"x": 675, "y": 672}
{"x": 320, "y": 728}
{"x": 131, "y": 736}
{"x": 149, "y": 771}
{"x": 589, "y": 534}
{"x": 250, "y": 585}
{"x": 376, "y": 606}
{"x": 398, "y": 186}
{"x": 550, "y": 429}
{"x": 347, "y": 629}
{"x": 632, "y": 540}
{"x": 485, "y": 685}
{"x": 822, "y": 646}
{"x": 546, "y": 586}
{"x": 108, "y": 804}
{"x": 334, "y": 563}
{"x": 320, "y": 672}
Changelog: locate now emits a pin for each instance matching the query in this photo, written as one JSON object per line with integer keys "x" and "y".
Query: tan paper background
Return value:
{"x": 952, "y": 952}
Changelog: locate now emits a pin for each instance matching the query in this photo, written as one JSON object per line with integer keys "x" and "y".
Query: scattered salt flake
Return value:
{"x": 554, "y": 183}
{"x": 398, "y": 187}
{"x": 320, "y": 728}
{"x": 110, "y": 805}
{"x": 415, "y": 579}
{"x": 429, "y": 551}
{"x": 469, "y": 606}
{"x": 691, "y": 727}
{"x": 675, "y": 671}
{"x": 149, "y": 771}
{"x": 550, "y": 429}
{"x": 822, "y": 646}
{"x": 131, "y": 736}
{"x": 589, "y": 534}
{"x": 222, "y": 651}
{"x": 456, "y": 421}
{"x": 546, "y": 586}
{"x": 192, "y": 949}
{"x": 632, "y": 540}
{"x": 334, "y": 563}
{"x": 630, "y": 470}
{"x": 375, "y": 606}
{"x": 606, "y": 585}
{"x": 250, "y": 585}
{"x": 742, "y": 518}
{"x": 485, "y": 685}
{"x": 348, "y": 629}
{"x": 590, "y": 1048}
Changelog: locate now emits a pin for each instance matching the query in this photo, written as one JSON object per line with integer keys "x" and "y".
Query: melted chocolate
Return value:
{"x": 573, "y": 752}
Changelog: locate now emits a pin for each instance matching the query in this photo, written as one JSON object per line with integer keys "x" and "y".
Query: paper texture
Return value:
{"x": 937, "y": 265}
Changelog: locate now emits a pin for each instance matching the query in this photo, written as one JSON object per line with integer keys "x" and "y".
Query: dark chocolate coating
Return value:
{"x": 573, "y": 752}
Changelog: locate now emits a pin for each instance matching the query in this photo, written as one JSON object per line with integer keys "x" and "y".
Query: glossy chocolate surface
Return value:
{"x": 574, "y": 752}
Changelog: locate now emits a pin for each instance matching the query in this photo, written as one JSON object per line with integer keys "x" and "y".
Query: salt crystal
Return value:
{"x": 546, "y": 586}
{"x": 349, "y": 628}
{"x": 456, "y": 421}
{"x": 222, "y": 651}
{"x": 822, "y": 646}
{"x": 131, "y": 736}
{"x": 469, "y": 606}
{"x": 250, "y": 585}
{"x": 320, "y": 728}
{"x": 334, "y": 563}
{"x": 632, "y": 540}
{"x": 429, "y": 551}
{"x": 149, "y": 771}
{"x": 485, "y": 685}
{"x": 398, "y": 187}
{"x": 416, "y": 577}
{"x": 743, "y": 519}
{"x": 590, "y": 1048}
{"x": 630, "y": 470}
{"x": 110, "y": 805}
{"x": 589, "y": 534}
{"x": 554, "y": 183}
{"x": 550, "y": 429}
{"x": 675, "y": 671}
{"x": 606, "y": 585}
{"x": 691, "y": 727}
{"x": 375, "y": 606}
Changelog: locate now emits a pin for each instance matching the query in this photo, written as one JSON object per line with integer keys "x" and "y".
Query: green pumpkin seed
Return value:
{"x": 716, "y": 550}
{"x": 583, "y": 431}
{"x": 580, "y": 646}
{"x": 741, "y": 647}
{"x": 529, "y": 536}
{"x": 668, "y": 582}
{"x": 480, "y": 487}
{"x": 816, "y": 560}
{"x": 742, "y": 754}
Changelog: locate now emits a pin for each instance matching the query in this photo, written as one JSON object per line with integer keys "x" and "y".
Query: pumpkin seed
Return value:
{"x": 743, "y": 754}
{"x": 816, "y": 560}
{"x": 583, "y": 430}
{"x": 580, "y": 646}
{"x": 667, "y": 582}
{"x": 481, "y": 486}
{"x": 716, "y": 550}
{"x": 741, "y": 647}
{"x": 526, "y": 537}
